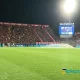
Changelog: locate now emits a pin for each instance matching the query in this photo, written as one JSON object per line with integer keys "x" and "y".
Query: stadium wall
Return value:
{"x": 54, "y": 45}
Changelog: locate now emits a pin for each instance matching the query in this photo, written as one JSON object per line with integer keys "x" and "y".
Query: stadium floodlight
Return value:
{"x": 69, "y": 6}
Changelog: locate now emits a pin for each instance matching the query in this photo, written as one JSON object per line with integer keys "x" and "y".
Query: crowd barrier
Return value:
{"x": 39, "y": 45}
{"x": 78, "y": 46}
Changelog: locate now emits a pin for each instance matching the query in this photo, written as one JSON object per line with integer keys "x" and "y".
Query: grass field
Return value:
{"x": 38, "y": 63}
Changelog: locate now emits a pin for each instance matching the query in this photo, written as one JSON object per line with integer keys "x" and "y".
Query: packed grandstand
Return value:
{"x": 16, "y": 34}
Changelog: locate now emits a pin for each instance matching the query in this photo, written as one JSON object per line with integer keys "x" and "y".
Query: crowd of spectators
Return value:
{"x": 17, "y": 34}
{"x": 23, "y": 34}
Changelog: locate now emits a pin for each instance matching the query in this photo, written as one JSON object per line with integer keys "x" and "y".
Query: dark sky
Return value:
{"x": 37, "y": 12}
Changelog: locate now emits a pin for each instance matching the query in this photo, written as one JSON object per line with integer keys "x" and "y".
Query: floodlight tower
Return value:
{"x": 69, "y": 6}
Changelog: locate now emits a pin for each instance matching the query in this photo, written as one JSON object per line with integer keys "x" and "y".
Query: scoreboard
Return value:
{"x": 66, "y": 28}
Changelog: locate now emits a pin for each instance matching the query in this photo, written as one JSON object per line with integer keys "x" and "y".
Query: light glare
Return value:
{"x": 69, "y": 6}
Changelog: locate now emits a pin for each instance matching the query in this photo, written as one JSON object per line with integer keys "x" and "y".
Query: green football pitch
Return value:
{"x": 39, "y": 63}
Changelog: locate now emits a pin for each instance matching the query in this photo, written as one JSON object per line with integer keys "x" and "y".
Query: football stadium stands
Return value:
{"x": 27, "y": 34}
{"x": 19, "y": 35}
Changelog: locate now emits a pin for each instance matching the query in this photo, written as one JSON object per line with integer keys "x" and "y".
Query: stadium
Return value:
{"x": 35, "y": 52}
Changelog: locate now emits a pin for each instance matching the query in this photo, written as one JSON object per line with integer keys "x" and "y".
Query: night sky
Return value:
{"x": 37, "y": 12}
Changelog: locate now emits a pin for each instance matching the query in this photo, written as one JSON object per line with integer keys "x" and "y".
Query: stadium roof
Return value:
{"x": 20, "y": 24}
